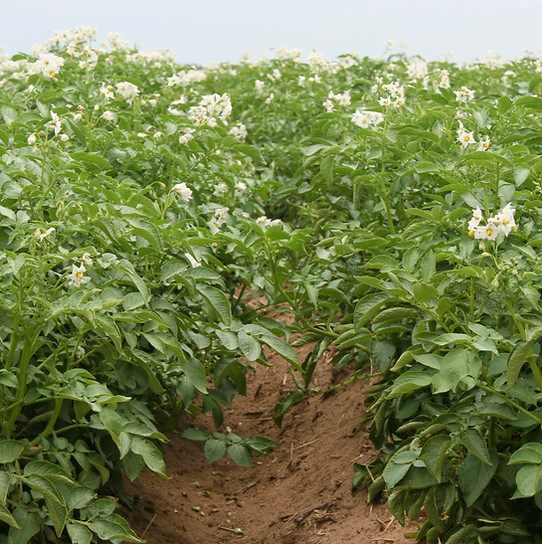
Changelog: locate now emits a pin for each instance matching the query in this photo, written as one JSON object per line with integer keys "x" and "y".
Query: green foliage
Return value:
{"x": 153, "y": 215}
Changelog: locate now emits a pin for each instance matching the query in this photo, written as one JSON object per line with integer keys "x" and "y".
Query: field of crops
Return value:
{"x": 391, "y": 207}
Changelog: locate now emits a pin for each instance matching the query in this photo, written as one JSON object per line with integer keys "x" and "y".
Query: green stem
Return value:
{"x": 510, "y": 402}
{"x": 51, "y": 425}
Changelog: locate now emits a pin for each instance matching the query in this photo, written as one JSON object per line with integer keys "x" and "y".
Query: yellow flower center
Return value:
{"x": 471, "y": 233}
{"x": 79, "y": 275}
{"x": 489, "y": 231}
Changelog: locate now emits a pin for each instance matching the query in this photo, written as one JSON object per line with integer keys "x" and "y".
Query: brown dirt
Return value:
{"x": 298, "y": 493}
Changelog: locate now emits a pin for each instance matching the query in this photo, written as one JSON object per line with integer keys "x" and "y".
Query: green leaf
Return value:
{"x": 79, "y": 533}
{"x": 195, "y": 372}
{"x": 396, "y": 504}
{"x": 80, "y": 496}
{"x": 520, "y": 175}
{"x": 133, "y": 465}
{"x": 218, "y": 302}
{"x": 249, "y": 150}
{"x": 453, "y": 368}
{"x": 408, "y": 382}
{"x": 240, "y": 454}
{"x": 51, "y": 471}
{"x": 214, "y": 449}
{"x": 529, "y": 480}
{"x": 249, "y": 346}
{"x": 5, "y": 482}
{"x": 532, "y": 102}
{"x": 150, "y": 454}
{"x": 10, "y": 450}
{"x": 476, "y": 445}
{"x": 474, "y": 475}
{"x": 91, "y": 158}
{"x": 382, "y": 354}
{"x": 6, "y": 517}
{"x": 112, "y": 422}
{"x": 393, "y": 473}
{"x": 529, "y": 453}
{"x": 368, "y": 307}
{"x": 434, "y": 452}
{"x": 29, "y": 524}
{"x": 46, "y": 487}
{"x": 6, "y": 212}
{"x": 109, "y": 530}
{"x": 515, "y": 362}
{"x": 58, "y": 514}
{"x": 191, "y": 433}
{"x": 283, "y": 349}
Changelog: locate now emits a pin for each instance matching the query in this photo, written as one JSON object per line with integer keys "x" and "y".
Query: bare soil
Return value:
{"x": 298, "y": 493}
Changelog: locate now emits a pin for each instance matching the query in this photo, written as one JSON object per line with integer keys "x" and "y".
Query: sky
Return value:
{"x": 202, "y": 31}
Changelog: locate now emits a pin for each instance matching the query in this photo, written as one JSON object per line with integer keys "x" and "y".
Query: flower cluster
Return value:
{"x": 364, "y": 118}
{"x": 47, "y": 64}
{"x": 186, "y": 78}
{"x": 464, "y": 94}
{"x": 343, "y": 99}
{"x": 211, "y": 107}
{"x": 183, "y": 191}
{"x": 503, "y": 222}
{"x": 396, "y": 95}
{"x": 127, "y": 90}
{"x": 466, "y": 138}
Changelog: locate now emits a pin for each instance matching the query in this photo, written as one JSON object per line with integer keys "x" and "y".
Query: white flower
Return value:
{"x": 444, "y": 82}
{"x": 77, "y": 276}
{"x": 46, "y": 235}
{"x": 503, "y": 222}
{"x": 239, "y": 131}
{"x": 464, "y": 94}
{"x": 364, "y": 118}
{"x": 219, "y": 218}
{"x": 87, "y": 259}
{"x": 31, "y": 139}
{"x": 108, "y": 115}
{"x": 220, "y": 189}
{"x": 328, "y": 104}
{"x": 184, "y": 191}
{"x": 55, "y": 122}
{"x": 107, "y": 92}
{"x": 384, "y": 101}
{"x": 270, "y": 98}
{"x": 507, "y": 219}
{"x": 484, "y": 144}
{"x": 464, "y": 137}
{"x": 80, "y": 352}
{"x": 47, "y": 64}
{"x": 64, "y": 138}
{"x": 240, "y": 186}
{"x": 264, "y": 221}
{"x": 193, "y": 262}
{"x": 417, "y": 69}
{"x": 127, "y": 90}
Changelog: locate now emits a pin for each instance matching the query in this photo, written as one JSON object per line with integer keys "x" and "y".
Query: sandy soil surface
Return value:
{"x": 298, "y": 493}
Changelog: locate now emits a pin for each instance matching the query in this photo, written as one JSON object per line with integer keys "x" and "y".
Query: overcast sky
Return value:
{"x": 201, "y": 31}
